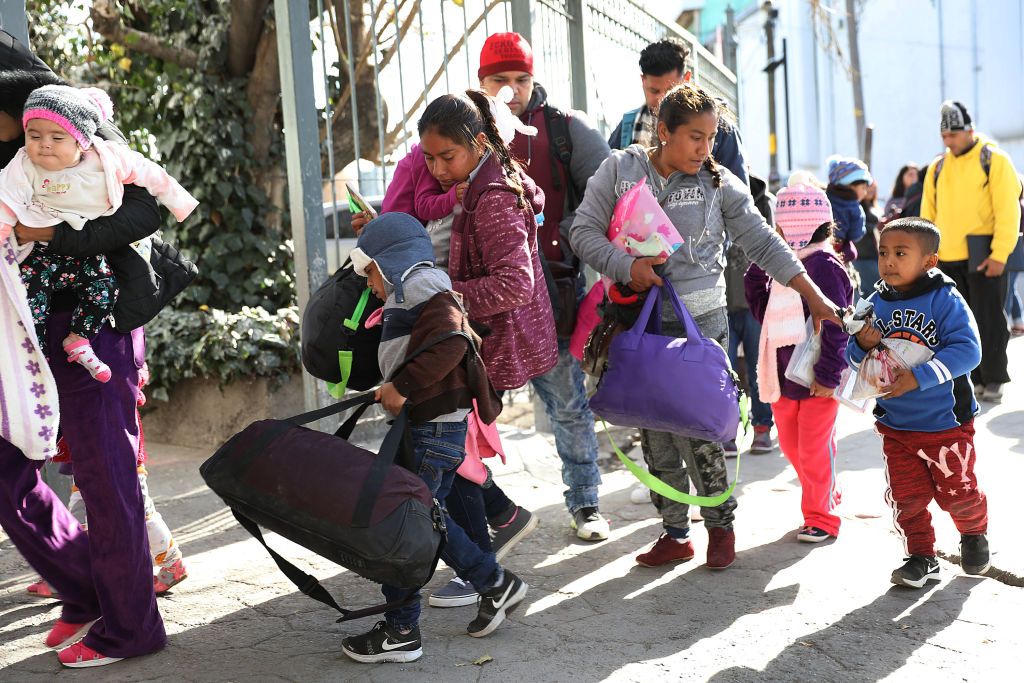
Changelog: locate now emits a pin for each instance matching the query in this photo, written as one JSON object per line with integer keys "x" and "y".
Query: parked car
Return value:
{"x": 338, "y": 224}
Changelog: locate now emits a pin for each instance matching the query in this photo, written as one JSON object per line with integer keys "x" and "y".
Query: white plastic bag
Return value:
{"x": 877, "y": 371}
{"x": 805, "y": 357}
{"x": 845, "y": 393}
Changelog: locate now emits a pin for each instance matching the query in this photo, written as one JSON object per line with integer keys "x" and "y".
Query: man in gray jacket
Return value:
{"x": 561, "y": 158}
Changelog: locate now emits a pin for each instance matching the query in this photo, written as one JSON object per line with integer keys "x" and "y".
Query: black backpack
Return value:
{"x": 336, "y": 346}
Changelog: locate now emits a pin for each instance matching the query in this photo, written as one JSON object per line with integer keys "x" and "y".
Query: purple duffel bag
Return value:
{"x": 684, "y": 386}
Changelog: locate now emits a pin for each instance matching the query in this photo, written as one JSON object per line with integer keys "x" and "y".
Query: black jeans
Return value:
{"x": 985, "y": 295}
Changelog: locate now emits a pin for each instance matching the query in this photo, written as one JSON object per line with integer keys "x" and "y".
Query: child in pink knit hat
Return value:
{"x": 65, "y": 174}
{"x": 804, "y": 415}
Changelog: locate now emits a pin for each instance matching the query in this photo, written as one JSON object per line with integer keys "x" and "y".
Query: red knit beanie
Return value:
{"x": 505, "y": 52}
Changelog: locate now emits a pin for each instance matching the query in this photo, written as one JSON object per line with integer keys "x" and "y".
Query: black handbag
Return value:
{"x": 336, "y": 346}
{"x": 146, "y": 287}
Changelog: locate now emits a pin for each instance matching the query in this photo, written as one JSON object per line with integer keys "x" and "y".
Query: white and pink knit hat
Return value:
{"x": 799, "y": 211}
{"x": 79, "y": 111}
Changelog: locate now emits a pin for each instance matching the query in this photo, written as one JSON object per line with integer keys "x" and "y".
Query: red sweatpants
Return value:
{"x": 921, "y": 466}
{"x": 807, "y": 436}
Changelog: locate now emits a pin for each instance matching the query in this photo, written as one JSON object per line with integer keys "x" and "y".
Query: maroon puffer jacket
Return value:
{"x": 495, "y": 266}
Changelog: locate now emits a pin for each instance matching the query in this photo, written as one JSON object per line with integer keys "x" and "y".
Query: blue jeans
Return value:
{"x": 1013, "y": 303}
{"x": 744, "y": 329}
{"x": 869, "y": 275}
{"x": 438, "y": 450}
{"x": 564, "y": 396}
{"x": 466, "y": 505}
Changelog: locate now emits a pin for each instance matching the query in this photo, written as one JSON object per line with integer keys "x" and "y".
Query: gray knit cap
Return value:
{"x": 79, "y": 111}
{"x": 954, "y": 116}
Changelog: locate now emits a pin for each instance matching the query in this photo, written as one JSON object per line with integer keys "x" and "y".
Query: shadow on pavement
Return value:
{"x": 1010, "y": 425}
{"x": 869, "y": 643}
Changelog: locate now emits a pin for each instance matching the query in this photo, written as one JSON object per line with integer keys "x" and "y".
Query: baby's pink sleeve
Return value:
{"x": 432, "y": 202}
{"x": 167, "y": 190}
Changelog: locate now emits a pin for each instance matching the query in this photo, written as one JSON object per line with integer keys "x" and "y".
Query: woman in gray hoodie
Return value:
{"x": 708, "y": 206}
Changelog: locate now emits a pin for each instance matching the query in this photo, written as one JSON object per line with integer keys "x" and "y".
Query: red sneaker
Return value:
{"x": 667, "y": 550}
{"x": 81, "y": 655}
{"x": 721, "y": 547}
{"x": 42, "y": 589}
{"x": 65, "y": 633}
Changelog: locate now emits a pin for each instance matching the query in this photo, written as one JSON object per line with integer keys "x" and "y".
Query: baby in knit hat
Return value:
{"x": 805, "y": 415}
{"x": 65, "y": 174}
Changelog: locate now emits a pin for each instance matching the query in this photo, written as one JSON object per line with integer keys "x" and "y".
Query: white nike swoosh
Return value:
{"x": 386, "y": 646}
{"x": 504, "y": 598}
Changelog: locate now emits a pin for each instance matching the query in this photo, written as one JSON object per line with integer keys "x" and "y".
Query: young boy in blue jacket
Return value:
{"x": 430, "y": 360}
{"x": 926, "y": 418}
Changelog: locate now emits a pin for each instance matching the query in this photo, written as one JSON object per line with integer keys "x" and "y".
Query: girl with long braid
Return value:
{"x": 709, "y": 206}
{"x": 493, "y": 257}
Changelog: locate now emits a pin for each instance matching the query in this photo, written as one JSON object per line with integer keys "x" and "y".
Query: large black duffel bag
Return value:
{"x": 343, "y": 502}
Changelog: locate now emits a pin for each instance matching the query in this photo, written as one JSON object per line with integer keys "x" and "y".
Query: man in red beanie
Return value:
{"x": 566, "y": 152}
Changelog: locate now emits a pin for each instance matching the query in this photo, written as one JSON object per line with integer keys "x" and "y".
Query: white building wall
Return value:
{"x": 900, "y": 48}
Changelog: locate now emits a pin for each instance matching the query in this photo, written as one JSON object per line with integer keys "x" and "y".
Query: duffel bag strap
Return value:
{"x": 310, "y": 586}
{"x": 366, "y": 397}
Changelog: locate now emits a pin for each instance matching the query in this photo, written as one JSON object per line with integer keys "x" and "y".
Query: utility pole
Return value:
{"x": 730, "y": 39}
{"x": 773, "y": 144}
{"x": 858, "y": 86}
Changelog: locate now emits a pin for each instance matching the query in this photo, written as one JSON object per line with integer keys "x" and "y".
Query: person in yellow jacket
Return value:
{"x": 972, "y": 193}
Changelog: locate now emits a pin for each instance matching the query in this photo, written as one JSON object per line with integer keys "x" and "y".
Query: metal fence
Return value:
{"x": 400, "y": 54}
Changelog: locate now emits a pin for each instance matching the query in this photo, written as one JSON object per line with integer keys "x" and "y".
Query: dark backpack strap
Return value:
{"x": 560, "y": 141}
{"x": 985, "y": 156}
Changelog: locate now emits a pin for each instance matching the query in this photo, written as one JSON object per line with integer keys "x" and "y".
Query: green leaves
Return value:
{"x": 222, "y": 345}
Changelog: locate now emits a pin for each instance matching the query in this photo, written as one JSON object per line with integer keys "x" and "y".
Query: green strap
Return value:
{"x": 357, "y": 315}
{"x": 663, "y": 489}
{"x": 345, "y": 364}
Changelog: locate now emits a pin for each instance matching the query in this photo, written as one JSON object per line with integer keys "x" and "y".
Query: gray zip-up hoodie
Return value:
{"x": 705, "y": 216}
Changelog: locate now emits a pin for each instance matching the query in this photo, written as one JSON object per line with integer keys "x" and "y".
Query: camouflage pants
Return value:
{"x": 677, "y": 460}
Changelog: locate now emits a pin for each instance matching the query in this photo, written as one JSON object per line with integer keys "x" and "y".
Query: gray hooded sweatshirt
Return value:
{"x": 705, "y": 216}
{"x": 419, "y": 284}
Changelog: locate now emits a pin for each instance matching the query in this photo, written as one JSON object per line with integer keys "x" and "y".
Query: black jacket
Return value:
{"x": 144, "y": 285}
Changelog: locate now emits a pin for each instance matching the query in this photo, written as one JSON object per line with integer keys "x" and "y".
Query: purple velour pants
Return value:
{"x": 107, "y": 573}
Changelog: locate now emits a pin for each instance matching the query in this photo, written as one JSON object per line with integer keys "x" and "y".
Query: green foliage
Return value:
{"x": 227, "y": 346}
{"x": 196, "y": 122}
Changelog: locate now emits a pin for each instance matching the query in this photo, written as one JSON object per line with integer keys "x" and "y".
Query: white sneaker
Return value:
{"x": 640, "y": 495}
{"x": 590, "y": 525}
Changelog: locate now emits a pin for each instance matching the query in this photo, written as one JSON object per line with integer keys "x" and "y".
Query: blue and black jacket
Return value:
{"x": 936, "y": 315}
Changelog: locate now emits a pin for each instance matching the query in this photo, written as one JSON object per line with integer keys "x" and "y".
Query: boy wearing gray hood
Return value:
{"x": 430, "y": 358}
{"x": 708, "y": 206}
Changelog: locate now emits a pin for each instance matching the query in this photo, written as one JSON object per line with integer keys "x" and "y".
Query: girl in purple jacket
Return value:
{"x": 805, "y": 416}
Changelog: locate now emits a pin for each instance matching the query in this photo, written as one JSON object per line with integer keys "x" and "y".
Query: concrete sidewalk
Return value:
{"x": 783, "y": 611}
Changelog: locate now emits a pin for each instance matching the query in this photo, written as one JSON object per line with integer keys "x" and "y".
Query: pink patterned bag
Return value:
{"x": 640, "y": 227}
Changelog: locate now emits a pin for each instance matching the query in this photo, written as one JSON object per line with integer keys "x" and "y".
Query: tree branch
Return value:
{"x": 107, "y": 22}
{"x": 408, "y": 114}
{"x": 244, "y": 34}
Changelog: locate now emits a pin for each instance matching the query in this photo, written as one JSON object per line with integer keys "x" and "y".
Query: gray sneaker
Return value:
{"x": 456, "y": 593}
{"x": 993, "y": 393}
